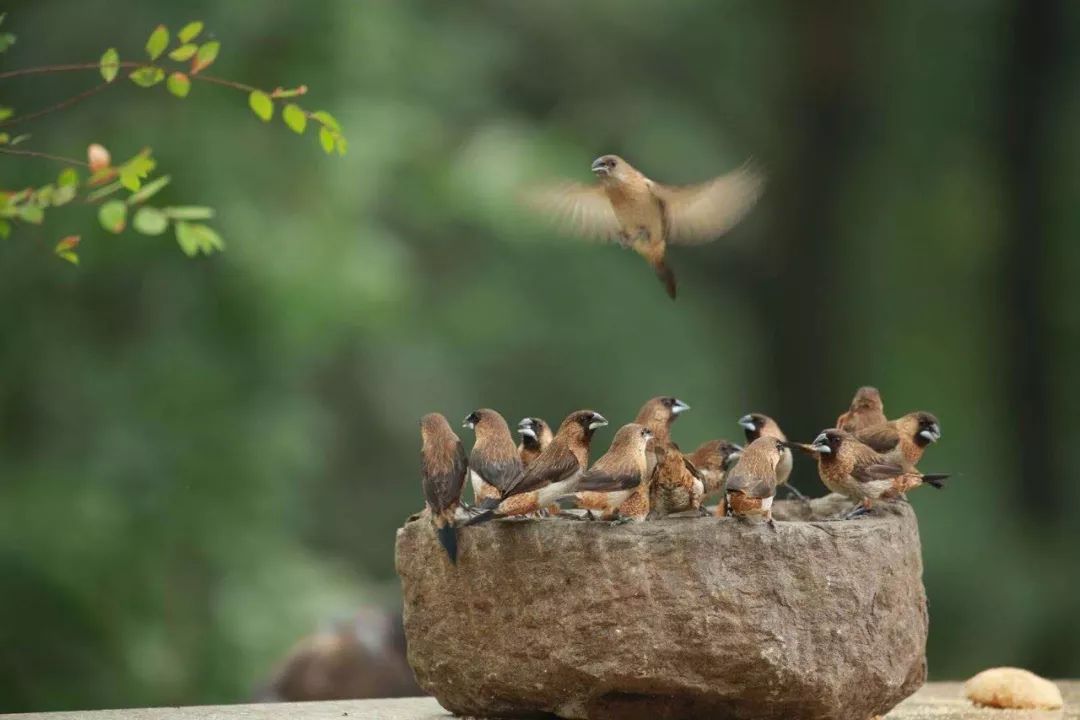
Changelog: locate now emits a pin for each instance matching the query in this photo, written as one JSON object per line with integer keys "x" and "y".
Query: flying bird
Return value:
{"x": 751, "y": 484}
{"x": 630, "y": 209}
{"x": 866, "y": 411}
{"x": 442, "y": 473}
{"x": 552, "y": 475}
{"x": 617, "y": 484}
{"x": 903, "y": 440}
{"x": 494, "y": 461}
{"x": 535, "y": 437}
{"x": 756, "y": 425}
{"x": 852, "y": 468}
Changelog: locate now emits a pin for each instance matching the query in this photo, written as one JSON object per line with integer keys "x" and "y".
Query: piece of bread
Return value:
{"x": 1008, "y": 687}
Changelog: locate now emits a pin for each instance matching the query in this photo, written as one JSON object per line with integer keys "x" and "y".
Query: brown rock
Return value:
{"x": 674, "y": 618}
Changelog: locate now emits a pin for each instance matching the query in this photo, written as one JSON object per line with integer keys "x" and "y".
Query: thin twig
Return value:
{"x": 63, "y": 68}
{"x": 58, "y": 106}
{"x": 46, "y": 156}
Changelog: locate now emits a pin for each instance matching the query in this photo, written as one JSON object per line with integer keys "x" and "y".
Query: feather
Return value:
{"x": 703, "y": 212}
{"x": 577, "y": 208}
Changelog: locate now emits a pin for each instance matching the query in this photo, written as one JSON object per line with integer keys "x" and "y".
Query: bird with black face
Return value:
{"x": 713, "y": 459}
{"x": 757, "y": 425}
{"x": 628, "y": 208}
{"x": 903, "y": 440}
{"x": 866, "y": 410}
{"x": 617, "y": 485}
{"x": 442, "y": 474}
{"x": 854, "y": 469}
{"x": 553, "y": 474}
{"x": 494, "y": 461}
{"x": 751, "y": 484}
{"x": 535, "y": 437}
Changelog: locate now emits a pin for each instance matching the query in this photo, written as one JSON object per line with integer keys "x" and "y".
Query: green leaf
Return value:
{"x": 130, "y": 179}
{"x": 205, "y": 56}
{"x": 184, "y": 52}
{"x": 103, "y": 192}
{"x": 6, "y": 112}
{"x": 150, "y": 221}
{"x": 190, "y": 31}
{"x": 147, "y": 76}
{"x": 32, "y": 214}
{"x": 326, "y": 139}
{"x": 189, "y": 212}
{"x": 63, "y": 195}
{"x": 261, "y": 105}
{"x": 68, "y": 176}
{"x": 68, "y": 255}
{"x": 6, "y": 41}
{"x": 4, "y": 137}
{"x": 178, "y": 84}
{"x": 295, "y": 118}
{"x": 149, "y": 190}
{"x": 195, "y": 238}
{"x": 342, "y": 145}
{"x": 113, "y": 216}
{"x": 157, "y": 42}
{"x": 109, "y": 64}
{"x": 65, "y": 249}
{"x": 20, "y": 138}
{"x": 326, "y": 119}
{"x": 44, "y": 194}
{"x": 5, "y": 229}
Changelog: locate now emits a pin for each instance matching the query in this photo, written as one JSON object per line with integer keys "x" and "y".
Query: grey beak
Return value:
{"x": 747, "y": 422}
{"x": 679, "y": 407}
{"x": 732, "y": 460}
{"x": 933, "y": 433}
{"x": 820, "y": 444}
{"x": 527, "y": 432}
{"x": 599, "y": 167}
{"x": 598, "y": 421}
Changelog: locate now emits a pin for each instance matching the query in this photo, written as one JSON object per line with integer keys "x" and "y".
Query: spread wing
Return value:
{"x": 700, "y": 213}
{"x": 498, "y": 473}
{"x": 876, "y": 471}
{"x": 442, "y": 485}
{"x": 577, "y": 208}
{"x": 882, "y": 438}
{"x": 554, "y": 464}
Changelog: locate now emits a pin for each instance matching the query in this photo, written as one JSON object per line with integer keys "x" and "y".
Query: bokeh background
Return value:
{"x": 202, "y": 461}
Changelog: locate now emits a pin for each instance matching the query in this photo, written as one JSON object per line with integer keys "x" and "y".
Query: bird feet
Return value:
{"x": 855, "y": 512}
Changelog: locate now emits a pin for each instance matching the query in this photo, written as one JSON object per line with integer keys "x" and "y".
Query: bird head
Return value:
{"x": 828, "y": 442}
{"x": 929, "y": 428}
{"x": 608, "y": 167}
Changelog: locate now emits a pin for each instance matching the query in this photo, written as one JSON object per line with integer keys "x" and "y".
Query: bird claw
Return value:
{"x": 620, "y": 521}
{"x": 771, "y": 523}
{"x": 855, "y": 512}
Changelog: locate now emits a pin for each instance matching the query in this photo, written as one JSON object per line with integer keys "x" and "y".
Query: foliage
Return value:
{"x": 192, "y": 53}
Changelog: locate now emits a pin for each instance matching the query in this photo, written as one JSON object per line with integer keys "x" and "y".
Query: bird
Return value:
{"x": 442, "y": 474}
{"x": 552, "y": 475}
{"x": 494, "y": 461}
{"x": 535, "y": 437}
{"x": 658, "y": 414}
{"x": 713, "y": 459}
{"x": 756, "y": 424}
{"x": 903, "y": 440}
{"x": 628, "y": 208}
{"x": 751, "y": 484}
{"x": 617, "y": 484}
{"x": 866, "y": 411}
{"x": 675, "y": 485}
{"x": 854, "y": 469}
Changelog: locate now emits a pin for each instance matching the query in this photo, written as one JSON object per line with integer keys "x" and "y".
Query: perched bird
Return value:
{"x": 658, "y": 414}
{"x": 629, "y": 208}
{"x": 856, "y": 470}
{"x": 442, "y": 469}
{"x": 553, "y": 474}
{"x": 756, "y": 425}
{"x": 903, "y": 440}
{"x": 617, "y": 483}
{"x": 866, "y": 411}
{"x": 494, "y": 461}
{"x": 675, "y": 485}
{"x": 751, "y": 484}
{"x": 713, "y": 459}
{"x": 535, "y": 437}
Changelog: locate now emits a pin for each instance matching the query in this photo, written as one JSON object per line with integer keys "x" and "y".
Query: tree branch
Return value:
{"x": 46, "y": 156}
{"x": 54, "y": 108}
{"x": 63, "y": 68}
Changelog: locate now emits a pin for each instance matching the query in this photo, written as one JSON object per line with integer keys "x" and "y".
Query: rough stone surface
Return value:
{"x": 676, "y": 618}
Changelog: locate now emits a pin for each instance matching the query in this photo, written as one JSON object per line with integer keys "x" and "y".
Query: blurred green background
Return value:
{"x": 201, "y": 461}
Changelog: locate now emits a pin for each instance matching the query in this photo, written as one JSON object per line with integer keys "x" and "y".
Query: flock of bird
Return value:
{"x": 644, "y": 474}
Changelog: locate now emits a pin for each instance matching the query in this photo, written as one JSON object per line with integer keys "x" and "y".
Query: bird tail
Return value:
{"x": 935, "y": 479}
{"x": 666, "y": 276}
{"x": 481, "y": 518}
{"x": 448, "y": 539}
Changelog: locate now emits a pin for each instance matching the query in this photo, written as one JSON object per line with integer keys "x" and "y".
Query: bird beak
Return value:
{"x": 679, "y": 407}
{"x": 527, "y": 432}
{"x": 469, "y": 422}
{"x": 599, "y": 167}
{"x": 747, "y": 422}
{"x": 598, "y": 421}
{"x": 732, "y": 459}
{"x": 821, "y": 445}
{"x": 932, "y": 433}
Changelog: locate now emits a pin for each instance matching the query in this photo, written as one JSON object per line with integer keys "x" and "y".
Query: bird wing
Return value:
{"x": 442, "y": 485}
{"x": 876, "y": 471}
{"x": 604, "y": 481}
{"x": 882, "y": 438}
{"x": 749, "y": 483}
{"x": 556, "y": 463}
{"x": 499, "y": 473}
{"x": 704, "y": 212}
{"x": 578, "y": 208}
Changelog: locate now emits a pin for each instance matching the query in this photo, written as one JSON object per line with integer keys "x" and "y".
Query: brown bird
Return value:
{"x": 856, "y": 470}
{"x": 903, "y": 440}
{"x": 751, "y": 484}
{"x": 552, "y": 475}
{"x": 535, "y": 437}
{"x": 675, "y": 485}
{"x": 442, "y": 471}
{"x": 757, "y": 425}
{"x": 617, "y": 483}
{"x": 866, "y": 411}
{"x": 494, "y": 461}
{"x": 629, "y": 208}
{"x": 713, "y": 459}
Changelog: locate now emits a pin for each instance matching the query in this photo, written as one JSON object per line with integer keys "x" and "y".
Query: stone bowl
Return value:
{"x": 673, "y": 618}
